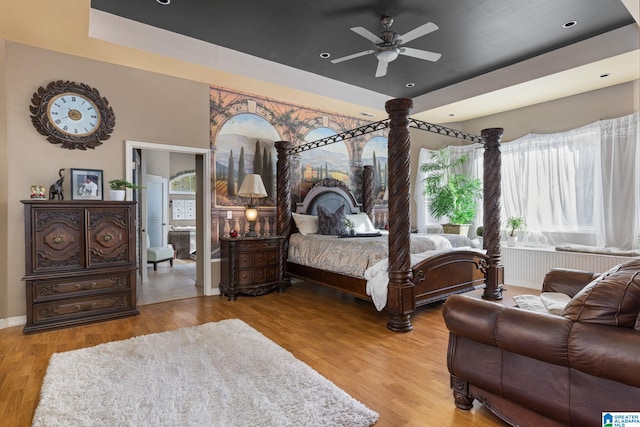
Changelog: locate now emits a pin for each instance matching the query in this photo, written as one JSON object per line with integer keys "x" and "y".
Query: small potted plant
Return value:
{"x": 350, "y": 226}
{"x": 118, "y": 188}
{"x": 514, "y": 223}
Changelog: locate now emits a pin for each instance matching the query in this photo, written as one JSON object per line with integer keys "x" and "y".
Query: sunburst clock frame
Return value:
{"x": 73, "y": 115}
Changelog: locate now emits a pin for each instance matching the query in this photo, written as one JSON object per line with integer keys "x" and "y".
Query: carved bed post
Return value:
{"x": 367, "y": 191}
{"x": 283, "y": 202}
{"x": 400, "y": 300}
{"x": 492, "y": 194}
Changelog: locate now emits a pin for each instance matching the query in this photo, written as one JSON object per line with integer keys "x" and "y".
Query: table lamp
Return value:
{"x": 253, "y": 188}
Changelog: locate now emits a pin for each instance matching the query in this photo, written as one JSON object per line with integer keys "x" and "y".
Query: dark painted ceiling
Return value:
{"x": 474, "y": 36}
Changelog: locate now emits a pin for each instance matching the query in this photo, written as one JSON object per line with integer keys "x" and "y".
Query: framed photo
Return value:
{"x": 86, "y": 184}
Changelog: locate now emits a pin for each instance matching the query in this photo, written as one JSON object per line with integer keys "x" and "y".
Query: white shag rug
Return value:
{"x": 217, "y": 374}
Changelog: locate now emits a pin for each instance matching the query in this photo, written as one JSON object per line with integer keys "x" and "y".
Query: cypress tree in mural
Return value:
{"x": 264, "y": 169}
{"x": 257, "y": 159}
{"x": 231, "y": 188}
{"x": 376, "y": 181}
{"x": 241, "y": 172}
{"x": 386, "y": 175}
{"x": 270, "y": 179}
{"x": 379, "y": 177}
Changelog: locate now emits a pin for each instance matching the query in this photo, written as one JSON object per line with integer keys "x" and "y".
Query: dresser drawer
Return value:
{"x": 75, "y": 308}
{"x": 50, "y": 289}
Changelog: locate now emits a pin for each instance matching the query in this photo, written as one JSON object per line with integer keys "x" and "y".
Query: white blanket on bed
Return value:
{"x": 378, "y": 278}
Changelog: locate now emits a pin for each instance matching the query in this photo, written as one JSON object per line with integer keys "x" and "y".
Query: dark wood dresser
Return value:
{"x": 251, "y": 265}
{"x": 80, "y": 262}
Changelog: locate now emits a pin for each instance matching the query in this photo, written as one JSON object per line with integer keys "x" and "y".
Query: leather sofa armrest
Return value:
{"x": 472, "y": 318}
{"x": 540, "y": 336}
{"x": 567, "y": 281}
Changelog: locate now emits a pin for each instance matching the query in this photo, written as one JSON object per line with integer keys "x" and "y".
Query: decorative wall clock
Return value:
{"x": 71, "y": 114}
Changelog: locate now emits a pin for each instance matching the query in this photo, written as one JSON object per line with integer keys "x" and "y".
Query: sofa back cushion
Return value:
{"x": 611, "y": 299}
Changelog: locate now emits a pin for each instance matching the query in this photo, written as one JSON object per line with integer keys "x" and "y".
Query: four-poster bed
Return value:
{"x": 429, "y": 280}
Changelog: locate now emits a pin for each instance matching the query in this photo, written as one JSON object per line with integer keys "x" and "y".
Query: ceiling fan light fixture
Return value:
{"x": 388, "y": 55}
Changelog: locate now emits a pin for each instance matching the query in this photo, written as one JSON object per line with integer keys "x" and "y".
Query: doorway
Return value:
{"x": 166, "y": 279}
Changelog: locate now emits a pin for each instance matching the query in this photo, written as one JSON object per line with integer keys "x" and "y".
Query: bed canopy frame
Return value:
{"x": 400, "y": 301}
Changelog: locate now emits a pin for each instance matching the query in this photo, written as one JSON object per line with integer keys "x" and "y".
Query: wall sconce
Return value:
{"x": 253, "y": 188}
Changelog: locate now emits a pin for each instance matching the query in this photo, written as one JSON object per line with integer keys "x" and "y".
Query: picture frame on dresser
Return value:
{"x": 87, "y": 184}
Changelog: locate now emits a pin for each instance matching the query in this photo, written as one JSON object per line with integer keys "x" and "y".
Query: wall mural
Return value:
{"x": 244, "y": 128}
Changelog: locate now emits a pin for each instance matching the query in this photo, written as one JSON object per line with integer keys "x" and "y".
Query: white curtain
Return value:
{"x": 581, "y": 186}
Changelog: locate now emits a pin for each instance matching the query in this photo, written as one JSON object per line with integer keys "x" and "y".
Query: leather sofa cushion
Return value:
{"x": 612, "y": 299}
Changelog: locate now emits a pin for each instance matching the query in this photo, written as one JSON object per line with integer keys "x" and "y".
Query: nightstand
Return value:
{"x": 251, "y": 265}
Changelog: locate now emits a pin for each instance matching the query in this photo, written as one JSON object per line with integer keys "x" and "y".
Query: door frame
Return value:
{"x": 203, "y": 202}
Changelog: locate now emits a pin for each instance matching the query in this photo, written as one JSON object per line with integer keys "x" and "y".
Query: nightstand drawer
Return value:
{"x": 245, "y": 276}
{"x": 258, "y": 245}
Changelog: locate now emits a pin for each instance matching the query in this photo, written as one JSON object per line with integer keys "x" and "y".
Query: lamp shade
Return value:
{"x": 252, "y": 186}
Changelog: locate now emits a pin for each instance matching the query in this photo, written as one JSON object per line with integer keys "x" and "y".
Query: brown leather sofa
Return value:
{"x": 539, "y": 369}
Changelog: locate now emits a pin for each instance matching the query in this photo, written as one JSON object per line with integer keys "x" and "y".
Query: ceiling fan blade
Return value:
{"x": 382, "y": 68}
{"x": 422, "y": 30}
{"x": 352, "y": 56}
{"x": 367, "y": 34}
{"x": 420, "y": 54}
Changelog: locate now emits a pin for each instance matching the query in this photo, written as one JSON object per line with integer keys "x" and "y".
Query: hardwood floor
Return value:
{"x": 401, "y": 376}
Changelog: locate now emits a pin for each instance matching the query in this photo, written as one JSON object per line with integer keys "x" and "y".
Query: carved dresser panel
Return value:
{"x": 80, "y": 262}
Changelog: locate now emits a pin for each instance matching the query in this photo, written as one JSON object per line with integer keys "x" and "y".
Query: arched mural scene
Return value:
{"x": 243, "y": 130}
{"x": 329, "y": 161}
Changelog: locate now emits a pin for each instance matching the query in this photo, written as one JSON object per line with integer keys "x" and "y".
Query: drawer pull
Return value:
{"x": 58, "y": 239}
{"x": 107, "y": 237}
{"x": 89, "y": 286}
{"x": 85, "y": 307}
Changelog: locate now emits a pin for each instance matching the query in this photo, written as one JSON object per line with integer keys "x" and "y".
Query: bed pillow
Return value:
{"x": 331, "y": 223}
{"x": 361, "y": 223}
{"x": 307, "y": 224}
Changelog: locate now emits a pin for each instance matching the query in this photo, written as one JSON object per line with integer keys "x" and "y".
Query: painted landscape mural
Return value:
{"x": 244, "y": 128}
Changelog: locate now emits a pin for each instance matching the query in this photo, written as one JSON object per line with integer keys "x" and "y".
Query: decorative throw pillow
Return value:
{"x": 307, "y": 224}
{"x": 361, "y": 223}
{"x": 331, "y": 223}
{"x": 612, "y": 299}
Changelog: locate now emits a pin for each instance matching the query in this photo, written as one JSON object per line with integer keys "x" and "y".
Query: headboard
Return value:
{"x": 331, "y": 194}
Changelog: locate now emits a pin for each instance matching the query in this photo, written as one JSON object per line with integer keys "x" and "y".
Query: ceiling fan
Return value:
{"x": 389, "y": 44}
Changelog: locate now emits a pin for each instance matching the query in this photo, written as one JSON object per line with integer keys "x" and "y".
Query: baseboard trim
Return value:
{"x": 13, "y": 321}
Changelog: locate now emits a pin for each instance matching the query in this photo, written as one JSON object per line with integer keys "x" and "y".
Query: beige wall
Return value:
{"x": 148, "y": 107}
{"x": 4, "y": 173}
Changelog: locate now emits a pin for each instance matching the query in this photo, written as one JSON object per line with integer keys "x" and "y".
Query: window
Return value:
{"x": 183, "y": 183}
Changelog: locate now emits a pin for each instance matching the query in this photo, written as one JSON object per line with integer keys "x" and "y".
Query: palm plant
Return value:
{"x": 450, "y": 194}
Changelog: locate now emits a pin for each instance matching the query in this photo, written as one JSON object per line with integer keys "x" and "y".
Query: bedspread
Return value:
{"x": 353, "y": 256}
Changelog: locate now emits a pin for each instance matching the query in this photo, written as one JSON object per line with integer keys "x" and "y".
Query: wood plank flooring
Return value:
{"x": 401, "y": 376}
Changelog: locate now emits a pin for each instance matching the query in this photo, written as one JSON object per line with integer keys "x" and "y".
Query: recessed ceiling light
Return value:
{"x": 410, "y": 84}
{"x": 325, "y": 55}
{"x": 605, "y": 75}
{"x": 164, "y": 2}
{"x": 364, "y": 113}
{"x": 452, "y": 115}
{"x": 569, "y": 24}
